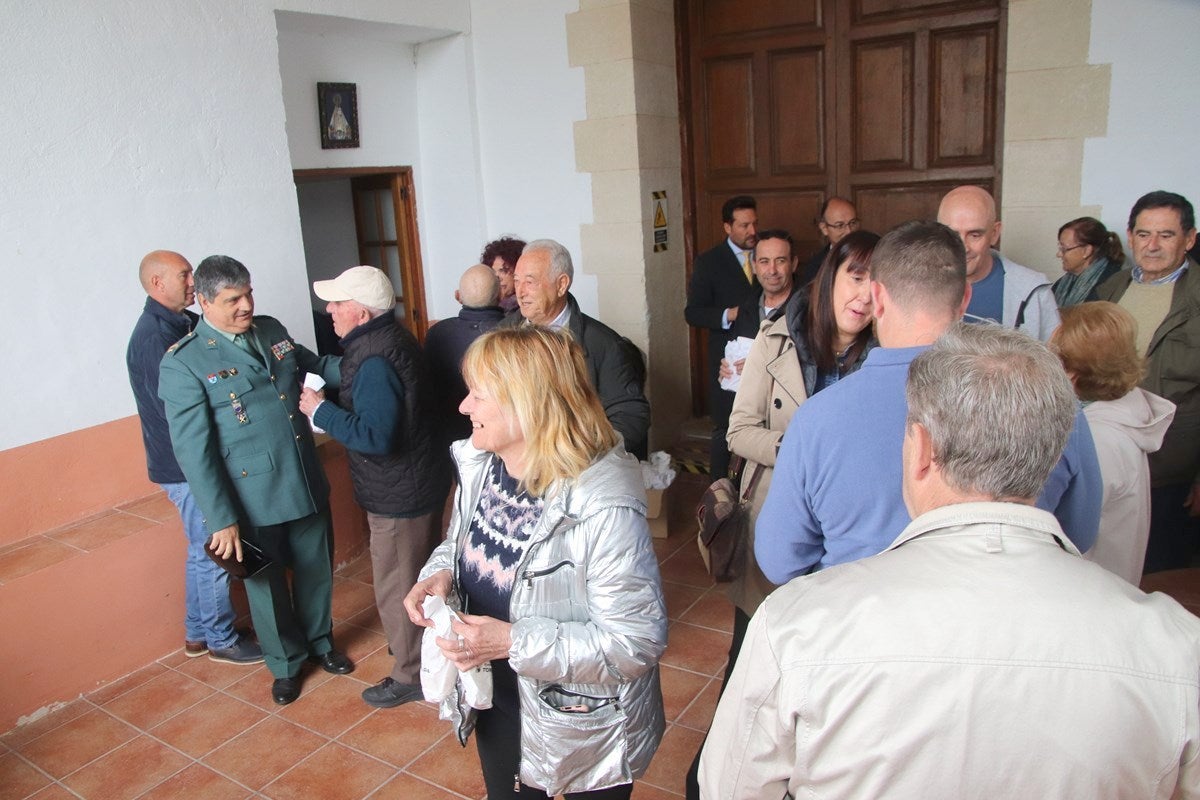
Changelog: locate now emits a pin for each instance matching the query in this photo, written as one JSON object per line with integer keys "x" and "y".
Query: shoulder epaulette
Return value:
{"x": 181, "y": 343}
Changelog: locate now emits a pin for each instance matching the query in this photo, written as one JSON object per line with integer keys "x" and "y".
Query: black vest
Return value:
{"x": 415, "y": 478}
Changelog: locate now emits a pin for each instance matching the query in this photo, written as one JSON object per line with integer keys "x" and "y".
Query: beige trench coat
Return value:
{"x": 771, "y": 390}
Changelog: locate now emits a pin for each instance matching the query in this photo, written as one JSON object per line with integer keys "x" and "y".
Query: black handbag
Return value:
{"x": 724, "y": 521}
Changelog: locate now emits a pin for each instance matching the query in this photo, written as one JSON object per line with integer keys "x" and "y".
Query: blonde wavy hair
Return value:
{"x": 1096, "y": 344}
{"x": 540, "y": 375}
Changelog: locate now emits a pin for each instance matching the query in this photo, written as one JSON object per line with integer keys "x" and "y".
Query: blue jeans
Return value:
{"x": 209, "y": 616}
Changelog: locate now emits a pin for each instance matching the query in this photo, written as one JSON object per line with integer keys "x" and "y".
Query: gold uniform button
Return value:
{"x": 243, "y": 473}
{"x": 291, "y": 416}
{"x": 297, "y": 437}
{"x": 233, "y": 395}
{"x": 283, "y": 397}
{"x": 272, "y": 377}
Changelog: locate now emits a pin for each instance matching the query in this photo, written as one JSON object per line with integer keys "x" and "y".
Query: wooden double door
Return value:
{"x": 889, "y": 103}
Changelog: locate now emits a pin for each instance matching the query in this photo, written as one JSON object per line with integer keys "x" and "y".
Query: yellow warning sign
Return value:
{"x": 660, "y": 220}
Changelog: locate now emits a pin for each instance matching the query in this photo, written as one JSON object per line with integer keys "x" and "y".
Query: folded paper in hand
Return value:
{"x": 438, "y": 674}
{"x": 316, "y": 383}
{"x": 737, "y": 350}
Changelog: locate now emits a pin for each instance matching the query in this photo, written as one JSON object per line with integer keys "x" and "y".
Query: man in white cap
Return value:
{"x": 401, "y": 478}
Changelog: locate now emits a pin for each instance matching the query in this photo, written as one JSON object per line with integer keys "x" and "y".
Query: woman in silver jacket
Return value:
{"x": 548, "y": 556}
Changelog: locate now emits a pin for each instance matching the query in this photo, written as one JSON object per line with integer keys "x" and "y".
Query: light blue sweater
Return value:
{"x": 835, "y": 495}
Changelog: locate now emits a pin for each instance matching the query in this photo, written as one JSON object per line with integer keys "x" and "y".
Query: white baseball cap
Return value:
{"x": 368, "y": 285}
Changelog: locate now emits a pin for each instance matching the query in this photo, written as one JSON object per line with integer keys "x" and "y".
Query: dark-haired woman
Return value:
{"x": 1089, "y": 253}
{"x": 501, "y": 255}
{"x": 822, "y": 334}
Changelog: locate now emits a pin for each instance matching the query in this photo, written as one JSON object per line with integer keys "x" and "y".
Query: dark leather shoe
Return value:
{"x": 285, "y": 690}
{"x": 335, "y": 662}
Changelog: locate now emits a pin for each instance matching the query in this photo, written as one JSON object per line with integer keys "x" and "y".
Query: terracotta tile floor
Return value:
{"x": 192, "y": 728}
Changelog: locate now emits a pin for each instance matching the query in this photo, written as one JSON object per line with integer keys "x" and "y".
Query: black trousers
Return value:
{"x": 741, "y": 621}
{"x": 498, "y": 736}
{"x": 1173, "y": 531}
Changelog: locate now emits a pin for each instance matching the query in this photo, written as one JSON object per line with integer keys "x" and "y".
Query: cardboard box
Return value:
{"x": 653, "y": 503}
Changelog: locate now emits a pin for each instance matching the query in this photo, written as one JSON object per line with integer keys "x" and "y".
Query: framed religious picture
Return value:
{"x": 337, "y": 106}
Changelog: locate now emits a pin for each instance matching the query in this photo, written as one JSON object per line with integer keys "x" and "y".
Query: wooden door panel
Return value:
{"x": 880, "y": 10}
{"x": 719, "y": 18}
{"x": 882, "y": 97}
{"x": 887, "y": 102}
{"x": 729, "y": 130}
{"x": 797, "y": 108}
{"x": 887, "y": 205}
{"x": 962, "y": 88}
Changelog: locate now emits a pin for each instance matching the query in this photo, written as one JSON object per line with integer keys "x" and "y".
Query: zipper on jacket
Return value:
{"x": 529, "y": 574}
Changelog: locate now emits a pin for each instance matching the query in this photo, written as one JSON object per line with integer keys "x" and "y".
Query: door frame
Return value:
{"x": 412, "y": 270}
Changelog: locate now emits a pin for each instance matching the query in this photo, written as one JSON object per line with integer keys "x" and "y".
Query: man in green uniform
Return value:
{"x": 231, "y": 389}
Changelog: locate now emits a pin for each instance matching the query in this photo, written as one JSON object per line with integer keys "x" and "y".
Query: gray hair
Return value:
{"x": 923, "y": 265}
{"x": 998, "y": 407}
{"x": 560, "y": 257}
{"x": 217, "y": 273}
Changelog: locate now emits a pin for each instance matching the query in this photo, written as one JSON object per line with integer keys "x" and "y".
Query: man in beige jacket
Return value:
{"x": 979, "y": 655}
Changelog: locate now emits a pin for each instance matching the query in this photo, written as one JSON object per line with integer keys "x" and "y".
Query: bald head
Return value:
{"x": 479, "y": 287}
{"x": 971, "y": 213}
{"x": 167, "y": 278}
{"x": 838, "y": 218}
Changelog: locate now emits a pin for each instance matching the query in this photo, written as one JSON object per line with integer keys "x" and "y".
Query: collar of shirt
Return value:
{"x": 226, "y": 334}
{"x": 562, "y": 319}
{"x": 737, "y": 251}
{"x": 1139, "y": 275}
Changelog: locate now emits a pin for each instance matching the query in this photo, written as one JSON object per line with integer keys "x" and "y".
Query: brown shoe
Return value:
{"x": 195, "y": 649}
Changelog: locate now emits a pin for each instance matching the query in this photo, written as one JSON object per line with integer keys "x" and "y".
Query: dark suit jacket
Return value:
{"x": 258, "y": 466}
{"x": 718, "y": 283}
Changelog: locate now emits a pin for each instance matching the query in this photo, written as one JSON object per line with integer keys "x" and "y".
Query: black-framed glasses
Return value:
{"x": 852, "y": 224}
{"x": 1062, "y": 251}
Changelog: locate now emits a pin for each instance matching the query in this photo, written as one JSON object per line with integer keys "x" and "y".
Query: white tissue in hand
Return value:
{"x": 316, "y": 383}
{"x": 736, "y": 350}
{"x": 437, "y": 673}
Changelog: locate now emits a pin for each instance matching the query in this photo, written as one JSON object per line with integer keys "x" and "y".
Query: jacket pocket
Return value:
{"x": 245, "y": 466}
{"x": 582, "y": 733}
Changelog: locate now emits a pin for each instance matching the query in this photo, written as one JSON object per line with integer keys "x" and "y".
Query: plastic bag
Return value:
{"x": 438, "y": 674}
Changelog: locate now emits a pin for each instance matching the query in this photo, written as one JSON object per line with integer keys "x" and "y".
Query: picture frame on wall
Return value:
{"x": 337, "y": 109}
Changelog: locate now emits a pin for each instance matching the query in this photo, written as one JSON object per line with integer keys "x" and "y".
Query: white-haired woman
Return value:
{"x": 549, "y": 554}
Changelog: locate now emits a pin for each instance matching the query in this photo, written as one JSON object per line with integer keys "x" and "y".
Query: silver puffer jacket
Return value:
{"x": 589, "y": 625}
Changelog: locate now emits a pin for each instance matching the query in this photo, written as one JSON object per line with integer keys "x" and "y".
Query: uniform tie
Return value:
{"x": 746, "y": 267}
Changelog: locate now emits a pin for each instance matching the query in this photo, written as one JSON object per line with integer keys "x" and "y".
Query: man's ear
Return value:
{"x": 922, "y": 451}
{"x": 966, "y": 301}
{"x": 562, "y": 284}
{"x": 879, "y": 298}
{"x": 996, "y": 230}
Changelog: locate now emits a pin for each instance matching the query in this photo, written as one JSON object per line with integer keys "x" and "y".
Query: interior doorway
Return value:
{"x": 365, "y": 215}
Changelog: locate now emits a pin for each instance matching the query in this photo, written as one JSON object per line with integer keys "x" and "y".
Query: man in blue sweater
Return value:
{"x": 835, "y": 496}
{"x": 208, "y": 617}
{"x": 401, "y": 476}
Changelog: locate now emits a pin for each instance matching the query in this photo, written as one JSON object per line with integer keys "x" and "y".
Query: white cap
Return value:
{"x": 368, "y": 285}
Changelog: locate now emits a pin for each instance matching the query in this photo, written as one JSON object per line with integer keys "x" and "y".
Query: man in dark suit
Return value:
{"x": 231, "y": 390}
{"x": 837, "y": 219}
{"x": 723, "y": 279}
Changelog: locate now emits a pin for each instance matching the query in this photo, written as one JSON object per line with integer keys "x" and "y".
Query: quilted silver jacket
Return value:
{"x": 589, "y": 626}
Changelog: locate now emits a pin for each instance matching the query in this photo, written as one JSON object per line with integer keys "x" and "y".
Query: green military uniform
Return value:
{"x": 248, "y": 455}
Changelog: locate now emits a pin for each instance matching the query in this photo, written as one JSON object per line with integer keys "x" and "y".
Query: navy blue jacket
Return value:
{"x": 157, "y": 329}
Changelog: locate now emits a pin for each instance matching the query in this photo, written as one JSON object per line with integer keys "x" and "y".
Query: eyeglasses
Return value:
{"x": 1062, "y": 251}
{"x": 852, "y": 224}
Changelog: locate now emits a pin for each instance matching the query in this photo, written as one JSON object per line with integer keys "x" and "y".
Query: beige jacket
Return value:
{"x": 771, "y": 390}
{"x": 977, "y": 657}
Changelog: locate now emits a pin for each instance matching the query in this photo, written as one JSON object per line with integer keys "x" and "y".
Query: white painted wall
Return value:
{"x": 1151, "y": 142}
{"x": 146, "y": 126}
{"x": 139, "y": 130}
{"x": 528, "y": 97}
{"x": 385, "y": 75}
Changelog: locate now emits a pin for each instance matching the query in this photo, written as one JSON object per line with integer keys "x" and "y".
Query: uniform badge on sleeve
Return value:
{"x": 281, "y": 349}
